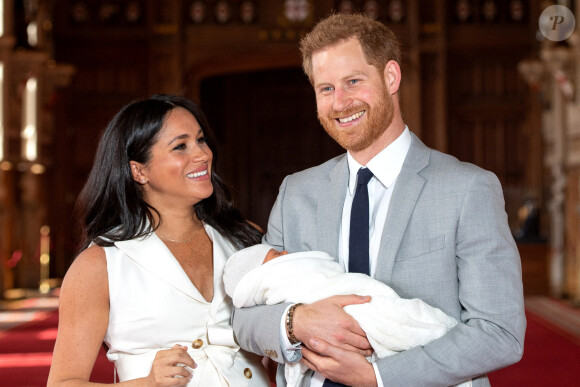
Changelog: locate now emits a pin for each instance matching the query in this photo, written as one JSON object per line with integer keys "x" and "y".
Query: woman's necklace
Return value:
{"x": 175, "y": 240}
{"x": 186, "y": 241}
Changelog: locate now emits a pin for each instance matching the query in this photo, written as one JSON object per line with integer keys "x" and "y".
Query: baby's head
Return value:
{"x": 273, "y": 253}
{"x": 243, "y": 261}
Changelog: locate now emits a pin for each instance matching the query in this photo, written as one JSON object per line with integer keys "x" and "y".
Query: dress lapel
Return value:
{"x": 331, "y": 195}
{"x": 152, "y": 254}
{"x": 405, "y": 195}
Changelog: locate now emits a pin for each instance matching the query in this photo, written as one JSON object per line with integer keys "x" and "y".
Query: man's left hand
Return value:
{"x": 339, "y": 365}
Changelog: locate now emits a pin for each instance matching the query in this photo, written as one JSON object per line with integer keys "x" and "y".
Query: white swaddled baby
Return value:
{"x": 392, "y": 324}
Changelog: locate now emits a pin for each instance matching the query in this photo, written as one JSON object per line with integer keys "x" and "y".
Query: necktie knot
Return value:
{"x": 364, "y": 175}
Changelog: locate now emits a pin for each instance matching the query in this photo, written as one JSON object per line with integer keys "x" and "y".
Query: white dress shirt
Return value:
{"x": 385, "y": 166}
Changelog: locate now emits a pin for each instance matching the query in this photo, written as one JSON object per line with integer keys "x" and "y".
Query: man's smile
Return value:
{"x": 352, "y": 117}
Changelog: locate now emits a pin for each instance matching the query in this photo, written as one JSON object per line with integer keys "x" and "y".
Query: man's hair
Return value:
{"x": 378, "y": 42}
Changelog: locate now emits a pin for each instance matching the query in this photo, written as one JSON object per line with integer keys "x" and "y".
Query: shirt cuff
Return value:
{"x": 291, "y": 352}
{"x": 378, "y": 375}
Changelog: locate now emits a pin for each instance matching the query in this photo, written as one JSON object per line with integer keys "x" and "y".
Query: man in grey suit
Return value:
{"x": 437, "y": 230}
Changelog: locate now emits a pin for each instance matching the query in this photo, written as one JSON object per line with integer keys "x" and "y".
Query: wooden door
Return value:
{"x": 267, "y": 128}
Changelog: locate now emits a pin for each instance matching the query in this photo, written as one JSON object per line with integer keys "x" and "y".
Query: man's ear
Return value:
{"x": 138, "y": 172}
{"x": 392, "y": 76}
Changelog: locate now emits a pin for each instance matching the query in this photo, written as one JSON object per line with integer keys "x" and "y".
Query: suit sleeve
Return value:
{"x": 257, "y": 328}
{"x": 490, "y": 334}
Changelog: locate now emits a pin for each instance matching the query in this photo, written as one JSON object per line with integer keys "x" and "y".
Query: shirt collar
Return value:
{"x": 386, "y": 165}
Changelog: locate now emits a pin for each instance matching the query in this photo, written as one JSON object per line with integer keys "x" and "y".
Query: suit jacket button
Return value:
{"x": 248, "y": 373}
{"x": 197, "y": 344}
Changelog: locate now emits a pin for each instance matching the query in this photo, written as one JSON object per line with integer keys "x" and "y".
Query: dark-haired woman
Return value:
{"x": 158, "y": 227}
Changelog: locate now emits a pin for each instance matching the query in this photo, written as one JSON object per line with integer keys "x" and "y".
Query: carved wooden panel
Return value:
{"x": 487, "y": 112}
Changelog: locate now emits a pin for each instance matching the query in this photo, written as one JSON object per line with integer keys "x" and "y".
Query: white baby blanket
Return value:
{"x": 392, "y": 324}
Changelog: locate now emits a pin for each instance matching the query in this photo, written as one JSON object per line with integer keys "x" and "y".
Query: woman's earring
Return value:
{"x": 143, "y": 181}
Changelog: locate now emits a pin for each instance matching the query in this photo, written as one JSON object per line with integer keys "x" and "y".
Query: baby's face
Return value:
{"x": 273, "y": 253}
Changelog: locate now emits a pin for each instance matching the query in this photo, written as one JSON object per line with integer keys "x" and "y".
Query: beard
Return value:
{"x": 359, "y": 137}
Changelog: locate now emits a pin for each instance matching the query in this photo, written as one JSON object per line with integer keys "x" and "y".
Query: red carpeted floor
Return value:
{"x": 551, "y": 356}
{"x": 26, "y": 352}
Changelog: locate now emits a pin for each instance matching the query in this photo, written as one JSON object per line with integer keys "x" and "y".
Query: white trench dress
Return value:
{"x": 154, "y": 305}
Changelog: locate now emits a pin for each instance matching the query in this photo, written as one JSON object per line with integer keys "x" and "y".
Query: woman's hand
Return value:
{"x": 169, "y": 367}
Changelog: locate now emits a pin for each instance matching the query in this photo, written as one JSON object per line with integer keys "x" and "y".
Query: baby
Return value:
{"x": 262, "y": 275}
{"x": 273, "y": 253}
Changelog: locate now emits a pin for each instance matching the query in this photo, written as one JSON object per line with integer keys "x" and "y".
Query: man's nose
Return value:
{"x": 342, "y": 99}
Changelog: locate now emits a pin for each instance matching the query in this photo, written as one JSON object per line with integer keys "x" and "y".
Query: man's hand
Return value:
{"x": 339, "y": 365}
{"x": 326, "y": 320}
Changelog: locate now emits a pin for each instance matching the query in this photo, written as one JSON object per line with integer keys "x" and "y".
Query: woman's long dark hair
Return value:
{"x": 111, "y": 205}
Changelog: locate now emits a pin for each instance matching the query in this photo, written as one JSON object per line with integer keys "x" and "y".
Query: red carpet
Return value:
{"x": 26, "y": 352}
{"x": 551, "y": 357}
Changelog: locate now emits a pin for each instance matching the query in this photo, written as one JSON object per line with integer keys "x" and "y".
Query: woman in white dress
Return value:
{"x": 158, "y": 226}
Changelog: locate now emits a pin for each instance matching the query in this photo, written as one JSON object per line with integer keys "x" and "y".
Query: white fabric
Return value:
{"x": 246, "y": 260}
{"x": 392, "y": 324}
{"x": 154, "y": 305}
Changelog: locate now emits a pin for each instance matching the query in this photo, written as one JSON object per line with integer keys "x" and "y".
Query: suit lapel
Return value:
{"x": 152, "y": 254}
{"x": 405, "y": 195}
{"x": 329, "y": 209}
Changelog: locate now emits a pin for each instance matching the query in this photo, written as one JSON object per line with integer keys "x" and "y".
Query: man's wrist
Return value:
{"x": 290, "y": 324}
{"x": 290, "y": 353}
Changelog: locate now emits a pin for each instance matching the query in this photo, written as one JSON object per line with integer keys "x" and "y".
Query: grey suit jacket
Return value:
{"x": 446, "y": 241}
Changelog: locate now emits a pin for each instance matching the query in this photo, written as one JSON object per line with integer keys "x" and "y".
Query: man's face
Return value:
{"x": 354, "y": 104}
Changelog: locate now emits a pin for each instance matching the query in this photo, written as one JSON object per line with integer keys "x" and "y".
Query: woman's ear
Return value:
{"x": 138, "y": 172}
{"x": 392, "y": 76}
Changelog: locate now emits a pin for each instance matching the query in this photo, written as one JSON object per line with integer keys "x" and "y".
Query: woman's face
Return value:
{"x": 179, "y": 171}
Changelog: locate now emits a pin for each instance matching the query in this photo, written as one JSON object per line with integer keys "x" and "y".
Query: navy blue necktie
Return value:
{"x": 358, "y": 246}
